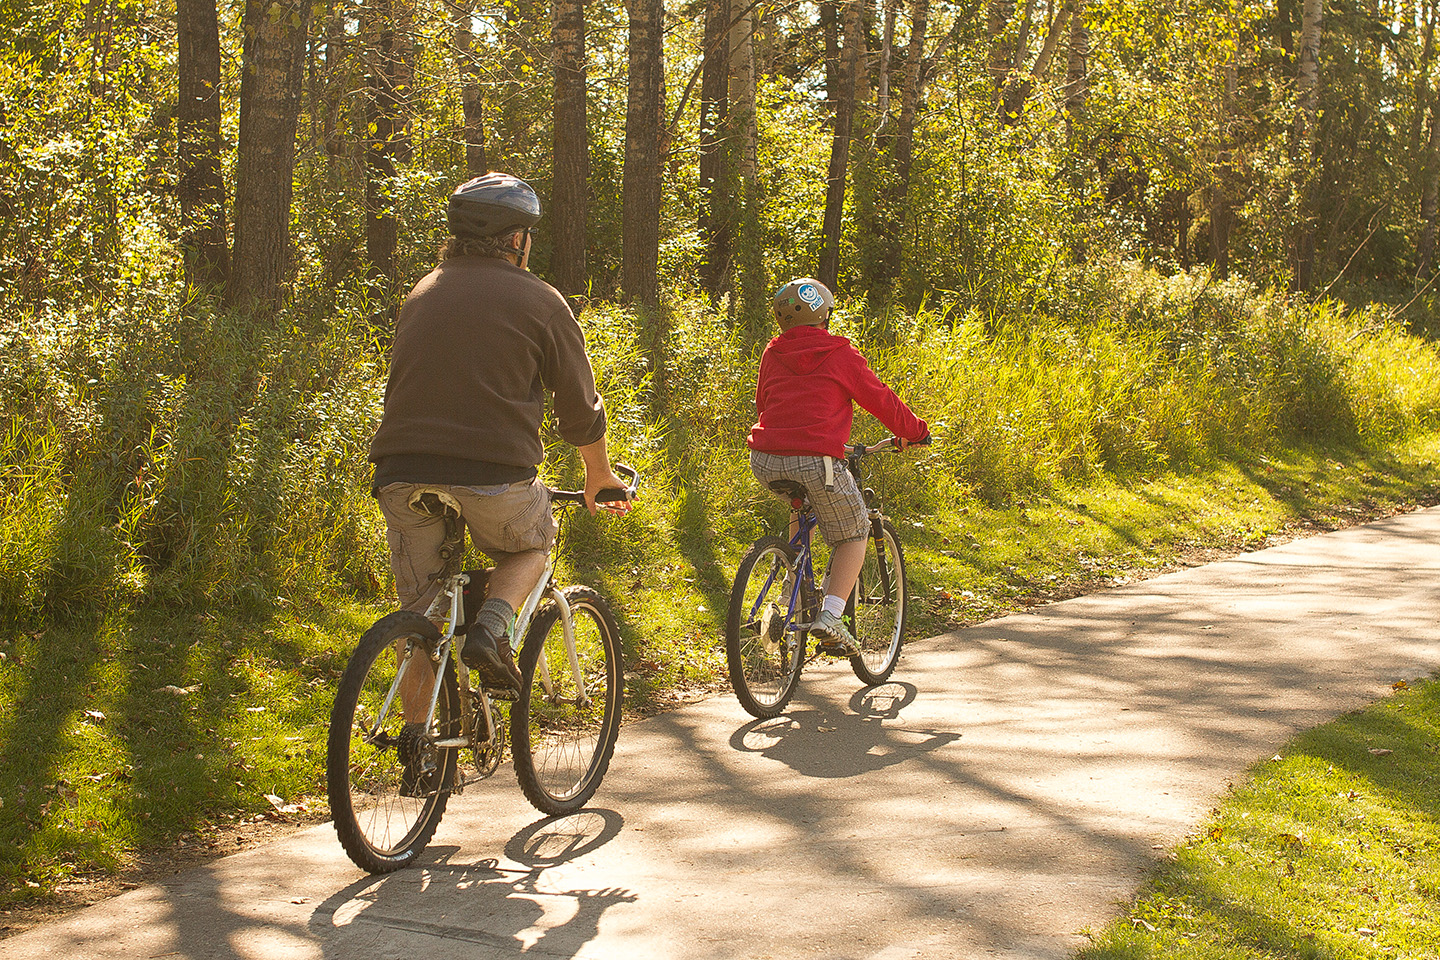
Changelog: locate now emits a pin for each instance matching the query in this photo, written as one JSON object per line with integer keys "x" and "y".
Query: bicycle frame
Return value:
{"x": 448, "y": 606}
{"x": 805, "y": 572}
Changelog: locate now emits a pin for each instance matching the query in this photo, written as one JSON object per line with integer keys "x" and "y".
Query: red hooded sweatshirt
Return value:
{"x": 808, "y": 378}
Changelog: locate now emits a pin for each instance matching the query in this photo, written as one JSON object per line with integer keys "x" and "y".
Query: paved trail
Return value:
{"x": 1012, "y": 784}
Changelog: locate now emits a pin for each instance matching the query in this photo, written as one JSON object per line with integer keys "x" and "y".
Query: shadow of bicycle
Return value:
{"x": 825, "y": 741}
{"x": 485, "y": 903}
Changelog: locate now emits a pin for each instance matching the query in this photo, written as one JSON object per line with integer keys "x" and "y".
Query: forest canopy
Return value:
{"x": 977, "y": 152}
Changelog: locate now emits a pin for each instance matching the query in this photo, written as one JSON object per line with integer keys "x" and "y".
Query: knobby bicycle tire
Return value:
{"x": 562, "y": 743}
{"x": 877, "y": 607}
{"x": 762, "y": 654}
{"x": 385, "y": 810}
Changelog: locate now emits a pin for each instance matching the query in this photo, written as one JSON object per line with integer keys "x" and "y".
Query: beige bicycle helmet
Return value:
{"x": 803, "y": 301}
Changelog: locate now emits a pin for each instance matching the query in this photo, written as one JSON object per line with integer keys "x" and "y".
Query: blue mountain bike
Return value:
{"x": 776, "y": 598}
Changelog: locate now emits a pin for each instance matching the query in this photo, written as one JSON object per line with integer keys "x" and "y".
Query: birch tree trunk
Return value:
{"x": 201, "y": 187}
{"x": 471, "y": 106}
{"x": 1022, "y": 82}
{"x": 752, "y": 296}
{"x": 1077, "y": 68}
{"x": 270, "y": 90}
{"x": 571, "y": 148}
{"x": 640, "y": 243}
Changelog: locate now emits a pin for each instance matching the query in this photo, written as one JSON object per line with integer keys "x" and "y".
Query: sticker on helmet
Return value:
{"x": 812, "y": 297}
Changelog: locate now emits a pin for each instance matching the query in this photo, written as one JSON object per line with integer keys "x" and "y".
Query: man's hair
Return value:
{"x": 497, "y": 248}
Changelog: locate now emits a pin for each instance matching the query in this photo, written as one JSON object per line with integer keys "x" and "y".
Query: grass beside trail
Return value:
{"x": 121, "y": 733}
{"x": 1330, "y": 850}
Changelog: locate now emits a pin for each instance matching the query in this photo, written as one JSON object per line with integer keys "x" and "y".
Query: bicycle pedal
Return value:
{"x": 503, "y": 693}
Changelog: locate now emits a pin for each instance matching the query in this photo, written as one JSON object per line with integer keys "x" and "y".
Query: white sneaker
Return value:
{"x": 830, "y": 630}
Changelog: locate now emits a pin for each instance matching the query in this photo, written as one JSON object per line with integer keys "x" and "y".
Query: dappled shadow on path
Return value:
{"x": 446, "y": 907}
{"x": 1024, "y": 773}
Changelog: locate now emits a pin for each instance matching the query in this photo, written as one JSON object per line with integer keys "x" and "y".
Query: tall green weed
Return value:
{"x": 195, "y": 455}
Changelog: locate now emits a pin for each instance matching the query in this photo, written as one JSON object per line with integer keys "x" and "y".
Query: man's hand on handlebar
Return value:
{"x": 605, "y": 480}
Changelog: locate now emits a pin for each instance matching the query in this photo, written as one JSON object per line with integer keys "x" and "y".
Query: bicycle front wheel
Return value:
{"x": 564, "y": 726}
{"x": 762, "y": 654}
{"x": 877, "y": 607}
{"x": 388, "y": 784}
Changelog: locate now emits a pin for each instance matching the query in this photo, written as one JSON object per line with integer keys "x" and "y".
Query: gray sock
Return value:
{"x": 496, "y": 616}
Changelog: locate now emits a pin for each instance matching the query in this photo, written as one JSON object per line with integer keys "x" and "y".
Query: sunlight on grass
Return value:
{"x": 1332, "y": 849}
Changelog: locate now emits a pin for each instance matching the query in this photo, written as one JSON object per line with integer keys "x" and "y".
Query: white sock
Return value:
{"x": 834, "y": 605}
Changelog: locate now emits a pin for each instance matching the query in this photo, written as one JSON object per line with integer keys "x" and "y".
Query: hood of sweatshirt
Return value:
{"x": 803, "y": 349}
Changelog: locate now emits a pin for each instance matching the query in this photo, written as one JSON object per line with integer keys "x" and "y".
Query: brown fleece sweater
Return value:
{"x": 478, "y": 342}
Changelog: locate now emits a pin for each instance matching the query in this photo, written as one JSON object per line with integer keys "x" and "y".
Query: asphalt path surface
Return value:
{"x": 1007, "y": 790}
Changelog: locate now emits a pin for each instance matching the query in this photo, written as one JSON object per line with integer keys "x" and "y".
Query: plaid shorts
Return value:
{"x": 841, "y": 510}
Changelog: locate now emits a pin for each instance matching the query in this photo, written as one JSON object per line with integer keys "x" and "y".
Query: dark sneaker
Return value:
{"x": 417, "y": 779}
{"x": 490, "y": 658}
{"x": 834, "y": 638}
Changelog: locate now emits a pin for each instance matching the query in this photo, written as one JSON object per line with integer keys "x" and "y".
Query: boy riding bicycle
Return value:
{"x": 809, "y": 380}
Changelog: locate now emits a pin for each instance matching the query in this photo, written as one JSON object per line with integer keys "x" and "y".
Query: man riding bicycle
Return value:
{"x": 479, "y": 342}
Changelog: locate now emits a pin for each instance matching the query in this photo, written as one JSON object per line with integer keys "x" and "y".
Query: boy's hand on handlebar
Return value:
{"x": 900, "y": 443}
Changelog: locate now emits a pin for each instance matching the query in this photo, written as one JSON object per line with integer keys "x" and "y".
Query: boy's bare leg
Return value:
{"x": 846, "y": 559}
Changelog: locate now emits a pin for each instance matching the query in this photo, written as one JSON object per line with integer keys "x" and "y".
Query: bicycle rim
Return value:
{"x": 562, "y": 738}
{"x": 878, "y": 605}
{"x": 384, "y": 812}
{"x": 762, "y": 654}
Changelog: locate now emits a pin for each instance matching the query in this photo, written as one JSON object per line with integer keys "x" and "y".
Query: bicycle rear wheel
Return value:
{"x": 388, "y": 785}
{"x": 877, "y": 607}
{"x": 763, "y": 656}
{"x": 564, "y": 726}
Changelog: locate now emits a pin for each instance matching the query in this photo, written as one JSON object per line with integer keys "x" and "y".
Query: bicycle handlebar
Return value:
{"x": 609, "y": 495}
{"x": 888, "y": 443}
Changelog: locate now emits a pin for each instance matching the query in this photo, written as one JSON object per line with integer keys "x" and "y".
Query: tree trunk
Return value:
{"x": 751, "y": 283}
{"x": 270, "y": 90}
{"x": 571, "y": 146}
{"x": 462, "y": 13}
{"x": 1077, "y": 70}
{"x": 640, "y": 243}
{"x": 201, "y": 187}
{"x": 1429, "y": 203}
{"x": 911, "y": 91}
{"x": 998, "y": 14}
{"x": 1018, "y": 90}
{"x": 742, "y": 119}
{"x": 1307, "y": 95}
{"x": 887, "y": 44}
{"x": 387, "y": 145}
{"x": 716, "y": 211}
{"x": 847, "y": 77}
{"x": 1221, "y": 203}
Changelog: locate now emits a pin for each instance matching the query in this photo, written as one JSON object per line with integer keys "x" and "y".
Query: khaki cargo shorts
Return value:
{"x": 505, "y": 519}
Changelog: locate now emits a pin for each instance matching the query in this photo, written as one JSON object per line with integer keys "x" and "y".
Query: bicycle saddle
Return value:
{"x": 789, "y": 488}
{"x": 431, "y": 502}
